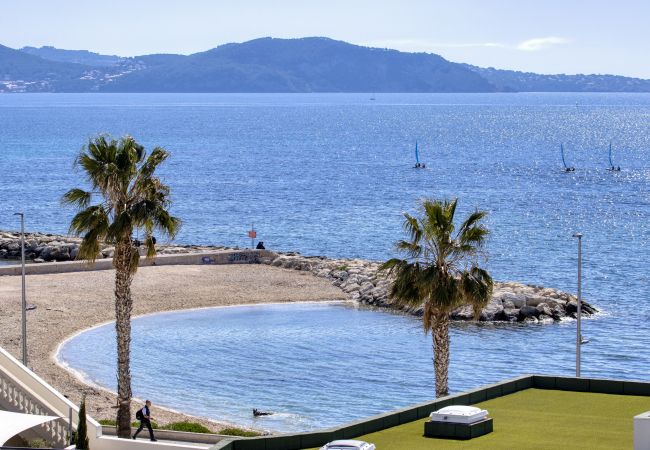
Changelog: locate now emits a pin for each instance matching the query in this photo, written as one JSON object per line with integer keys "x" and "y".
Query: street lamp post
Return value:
{"x": 24, "y": 302}
{"x": 579, "y": 308}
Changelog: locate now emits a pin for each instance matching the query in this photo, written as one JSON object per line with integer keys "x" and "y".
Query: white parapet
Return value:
{"x": 642, "y": 431}
{"x": 21, "y": 390}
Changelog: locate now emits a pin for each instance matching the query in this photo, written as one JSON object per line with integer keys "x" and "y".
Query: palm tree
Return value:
{"x": 129, "y": 197}
{"x": 440, "y": 271}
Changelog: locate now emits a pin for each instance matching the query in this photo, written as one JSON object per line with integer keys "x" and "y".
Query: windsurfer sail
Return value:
{"x": 566, "y": 168}
{"x": 418, "y": 165}
{"x": 611, "y": 164}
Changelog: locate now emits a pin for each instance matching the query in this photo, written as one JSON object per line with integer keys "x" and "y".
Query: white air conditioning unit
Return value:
{"x": 459, "y": 414}
{"x": 642, "y": 431}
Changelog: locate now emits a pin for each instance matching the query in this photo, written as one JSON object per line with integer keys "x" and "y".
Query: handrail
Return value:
{"x": 25, "y": 391}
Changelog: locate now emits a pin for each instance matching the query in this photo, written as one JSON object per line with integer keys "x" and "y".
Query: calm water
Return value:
{"x": 313, "y": 365}
{"x": 330, "y": 174}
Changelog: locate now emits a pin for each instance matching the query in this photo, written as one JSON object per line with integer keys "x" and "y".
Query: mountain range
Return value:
{"x": 312, "y": 64}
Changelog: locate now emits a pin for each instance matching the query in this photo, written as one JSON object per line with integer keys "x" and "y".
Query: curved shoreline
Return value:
{"x": 70, "y": 303}
{"x": 83, "y": 378}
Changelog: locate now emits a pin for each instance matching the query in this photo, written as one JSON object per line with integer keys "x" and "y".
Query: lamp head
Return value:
{"x": 578, "y": 235}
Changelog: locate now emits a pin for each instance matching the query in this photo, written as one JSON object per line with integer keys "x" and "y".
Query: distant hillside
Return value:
{"x": 22, "y": 72}
{"x": 278, "y": 65}
{"x": 512, "y": 81}
{"x": 74, "y": 56}
{"x": 303, "y": 65}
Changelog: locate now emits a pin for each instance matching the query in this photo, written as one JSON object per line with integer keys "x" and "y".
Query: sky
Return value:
{"x": 544, "y": 36}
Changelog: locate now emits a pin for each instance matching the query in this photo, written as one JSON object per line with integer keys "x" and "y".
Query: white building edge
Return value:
{"x": 22, "y": 391}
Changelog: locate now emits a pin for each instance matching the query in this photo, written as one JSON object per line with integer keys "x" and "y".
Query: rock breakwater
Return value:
{"x": 511, "y": 302}
{"x": 359, "y": 279}
{"x": 41, "y": 247}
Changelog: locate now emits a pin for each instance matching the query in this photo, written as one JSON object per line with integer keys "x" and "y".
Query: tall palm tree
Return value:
{"x": 128, "y": 197}
{"x": 441, "y": 271}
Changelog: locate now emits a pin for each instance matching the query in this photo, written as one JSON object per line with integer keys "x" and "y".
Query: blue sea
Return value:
{"x": 330, "y": 174}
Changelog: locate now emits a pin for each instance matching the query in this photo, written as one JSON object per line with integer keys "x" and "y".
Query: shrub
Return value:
{"x": 39, "y": 443}
{"x": 81, "y": 438}
{"x": 190, "y": 427}
{"x": 108, "y": 422}
{"x": 239, "y": 432}
{"x": 113, "y": 423}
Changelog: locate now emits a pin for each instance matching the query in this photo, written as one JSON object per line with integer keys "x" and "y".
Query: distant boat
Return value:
{"x": 566, "y": 168}
{"x": 611, "y": 167}
{"x": 418, "y": 165}
{"x": 372, "y": 97}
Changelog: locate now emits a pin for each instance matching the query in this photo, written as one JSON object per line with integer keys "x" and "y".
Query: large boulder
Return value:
{"x": 492, "y": 312}
{"x": 544, "y": 308}
{"x": 517, "y": 299}
{"x": 528, "y": 311}
{"x": 463, "y": 313}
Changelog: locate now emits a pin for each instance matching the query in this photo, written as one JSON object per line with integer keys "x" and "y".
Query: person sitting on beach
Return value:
{"x": 260, "y": 246}
{"x": 144, "y": 416}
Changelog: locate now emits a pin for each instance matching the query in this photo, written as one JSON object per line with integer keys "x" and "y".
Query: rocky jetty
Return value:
{"x": 511, "y": 302}
{"x": 40, "y": 247}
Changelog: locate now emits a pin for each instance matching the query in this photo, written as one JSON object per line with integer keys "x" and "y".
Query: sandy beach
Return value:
{"x": 70, "y": 302}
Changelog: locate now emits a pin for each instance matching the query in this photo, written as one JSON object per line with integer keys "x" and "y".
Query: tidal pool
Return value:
{"x": 314, "y": 365}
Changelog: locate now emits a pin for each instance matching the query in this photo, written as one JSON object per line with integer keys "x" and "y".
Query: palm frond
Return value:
{"x": 149, "y": 244}
{"x": 473, "y": 221}
{"x": 93, "y": 223}
{"x": 405, "y": 289}
{"x": 412, "y": 227}
{"x": 77, "y": 197}
{"x": 157, "y": 157}
{"x": 413, "y": 250}
{"x": 89, "y": 249}
{"x": 89, "y": 219}
{"x": 476, "y": 285}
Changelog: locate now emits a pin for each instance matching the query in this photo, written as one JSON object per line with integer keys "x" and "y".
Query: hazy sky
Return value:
{"x": 547, "y": 36}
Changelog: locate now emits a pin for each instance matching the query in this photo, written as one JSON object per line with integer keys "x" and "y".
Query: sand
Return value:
{"x": 70, "y": 302}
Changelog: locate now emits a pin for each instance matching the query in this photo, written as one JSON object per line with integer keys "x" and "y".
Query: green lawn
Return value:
{"x": 536, "y": 419}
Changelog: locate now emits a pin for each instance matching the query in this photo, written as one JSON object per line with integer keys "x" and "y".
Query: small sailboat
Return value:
{"x": 372, "y": 97}
{"x": 566, "y": 168}
{"x": 418, "y": 165}
{"x": 611, "y": 167}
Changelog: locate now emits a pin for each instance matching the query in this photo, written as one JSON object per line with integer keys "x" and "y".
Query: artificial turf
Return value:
{"x": 536, "y": 419}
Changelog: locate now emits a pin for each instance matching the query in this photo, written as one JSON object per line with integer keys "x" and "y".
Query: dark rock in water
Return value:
{"x": 558, "y": 312}
{"x": 492, "y": 312}
{"x": 528, "y": 311}
{"x": 511, "y": 314}
{"x": 572, "y": 307}
{"x": 587, "y": 308}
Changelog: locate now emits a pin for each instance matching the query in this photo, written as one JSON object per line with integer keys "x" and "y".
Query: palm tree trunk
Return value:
{"x": 440, "y": 336}
{"x": 123, "y": 307}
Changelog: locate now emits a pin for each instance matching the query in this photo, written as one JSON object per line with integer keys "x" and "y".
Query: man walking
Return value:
{"x": 144, "y": 416}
